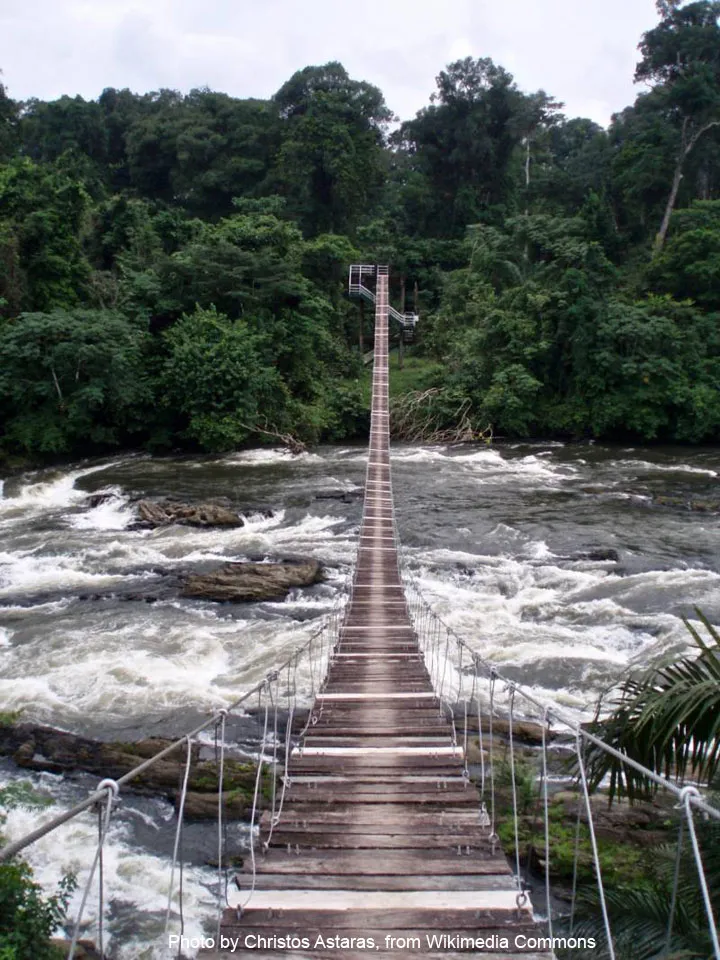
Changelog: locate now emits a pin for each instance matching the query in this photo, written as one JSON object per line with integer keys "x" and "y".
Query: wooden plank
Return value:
{"x": 357, "y": 766}
{"x": 383, "y": 762}
{"x": 331, "y": 738}
{"x": 305, "y": 881}
{"x": 331, "y": 921}
{"x": 402, "y": 863}
{"x": 465, "y": 904}
{"x": 358, "y": 814}
{"x": 309, "y": 840}
{"x": 333, "y": 729}
{"x": 461, "y": 831}
{"x": 453, "y": 791}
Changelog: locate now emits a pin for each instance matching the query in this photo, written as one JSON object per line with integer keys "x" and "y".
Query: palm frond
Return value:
{"x": 668, "y": 721}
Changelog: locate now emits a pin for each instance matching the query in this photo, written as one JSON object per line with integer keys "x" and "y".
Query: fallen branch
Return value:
{"x": 294, "y": 445}
{"x": 416, "y": 417}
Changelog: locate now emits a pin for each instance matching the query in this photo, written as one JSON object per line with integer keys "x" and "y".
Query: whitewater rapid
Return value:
{"x": 556, "y": 563}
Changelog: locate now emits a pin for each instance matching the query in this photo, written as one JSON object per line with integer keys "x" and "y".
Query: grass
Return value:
{"x": 418, "y": 373}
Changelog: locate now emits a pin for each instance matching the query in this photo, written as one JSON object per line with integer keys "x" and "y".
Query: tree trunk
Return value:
{"x": 703, "y": 183}
{"x": 415, "y": 297}
{"x": 361, "y": 335}
{"x": 686, "y": 146}
{"x": 665, "y": 225}
{"x": 401, "y": 349}
{"x": 402, "y": 294}
{"x": 527, "y": 176}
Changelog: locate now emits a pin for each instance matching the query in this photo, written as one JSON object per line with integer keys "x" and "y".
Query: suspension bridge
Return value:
{"x": 379, "y": 839}
{"x": 379, "y": 831}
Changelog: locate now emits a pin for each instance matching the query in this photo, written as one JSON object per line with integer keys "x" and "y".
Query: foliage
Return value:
{"x": 21, "y": 793}
{"x": 689, "y": 267}
{"x": 521, "y": 236}
{"x": 28, "y": 919}
{"x": 69, "y": 378}
{"x": 214, "y": 375}
{"x": 330, "y": 163}
{"x": 640, "y": 912}
{"x": 668, "y": 720}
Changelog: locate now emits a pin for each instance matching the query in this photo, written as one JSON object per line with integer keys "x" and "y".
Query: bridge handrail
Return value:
{"x": 553, "y": 711}
{"x": 407, "y": 320}
{"x": 108, "y": 788}
{"x": 688, "y": 797}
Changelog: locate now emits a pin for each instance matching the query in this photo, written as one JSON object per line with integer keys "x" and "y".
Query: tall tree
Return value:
{"x": 682, "y": 54}
{"x": 331, "y": 164}
{"x": 9, "y": 111}
{"x": 464, "y": 141}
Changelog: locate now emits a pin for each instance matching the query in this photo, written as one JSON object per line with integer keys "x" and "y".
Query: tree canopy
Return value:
{"x": 172, "y": 266}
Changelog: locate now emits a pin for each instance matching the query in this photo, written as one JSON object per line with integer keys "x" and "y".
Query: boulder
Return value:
{"x": 346, "y": 496}
{"x": 694, "y": 504}
{"x": 152, "y": 513}
{"x": 97, "y": 499}
{"x": 599, "y": 555}
{"x": 84, "y": 950}
{"x": 204, "y": 806}
{"x": 252, "y": 582}
{"x": 36, "y": 747}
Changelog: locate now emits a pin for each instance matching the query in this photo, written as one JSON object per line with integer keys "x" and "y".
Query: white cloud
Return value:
{"x": 584, "y": 54}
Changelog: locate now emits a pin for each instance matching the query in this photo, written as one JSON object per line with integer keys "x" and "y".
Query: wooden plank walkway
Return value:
{"x": 380, "y": 836}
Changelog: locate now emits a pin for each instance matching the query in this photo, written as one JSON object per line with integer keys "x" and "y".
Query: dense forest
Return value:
{"x": 172, "y": 267}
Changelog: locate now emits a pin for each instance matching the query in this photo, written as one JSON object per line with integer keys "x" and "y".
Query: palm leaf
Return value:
{"x": 668, "y": 721}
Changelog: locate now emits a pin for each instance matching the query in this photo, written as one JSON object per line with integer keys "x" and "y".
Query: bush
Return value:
{"x": 27, "y": 918}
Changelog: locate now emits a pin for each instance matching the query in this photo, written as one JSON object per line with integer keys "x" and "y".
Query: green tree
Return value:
{"x": 42, "y": 215}
{"x": 215, "y": 377}
{"x": 330, "y": 164}
{"x": 682, "y": 54}
{"x": 201, "y": 150}
{"x": 72, "y": 380}
{"x": 9, "y": 112}
{"x": 689, "y": 265}
{"x": 653, "y": 372}
{"x": 28, "y": 919}
{"x": 667, "y": 719}
{"x": 464, "y": 142}
{"x": 69, "y": 124}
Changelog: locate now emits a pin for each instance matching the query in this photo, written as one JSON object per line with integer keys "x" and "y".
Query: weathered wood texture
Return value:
{"x": 380, "y": 833}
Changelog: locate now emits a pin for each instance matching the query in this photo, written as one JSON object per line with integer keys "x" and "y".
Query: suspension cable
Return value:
{"x": 109, "y": 790}
{"x": 178, "y": 831}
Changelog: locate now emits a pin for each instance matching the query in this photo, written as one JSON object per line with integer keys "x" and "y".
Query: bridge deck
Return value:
{"x": 380, "y": 835}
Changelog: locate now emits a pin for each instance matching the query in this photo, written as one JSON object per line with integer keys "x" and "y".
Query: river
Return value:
{"x": 556, "y": 562}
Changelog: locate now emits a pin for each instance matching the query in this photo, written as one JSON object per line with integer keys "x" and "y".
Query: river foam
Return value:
{"x": 136, "y": 881}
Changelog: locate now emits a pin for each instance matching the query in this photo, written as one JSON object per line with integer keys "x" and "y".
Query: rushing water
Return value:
{"x": 502, "y": 541}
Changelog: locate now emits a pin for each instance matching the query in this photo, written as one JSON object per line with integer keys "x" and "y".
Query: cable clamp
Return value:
{"x": 111, "y": 786}
{"x": 685, "y": 796}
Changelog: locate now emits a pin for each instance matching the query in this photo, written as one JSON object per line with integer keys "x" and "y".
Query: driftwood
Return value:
{"x": 416, "y": 418}
{"x": 292, "y": 443}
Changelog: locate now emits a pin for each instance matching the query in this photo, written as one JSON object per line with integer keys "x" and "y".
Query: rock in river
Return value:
{"x": 153, "y": 513}
{"x": 252, "y": 582}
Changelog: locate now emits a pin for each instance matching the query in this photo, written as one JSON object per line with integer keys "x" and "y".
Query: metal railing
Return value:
{"x": 475, "y": 695}
{"x": 356, "y": 287}
{"x": 277, "y": 691}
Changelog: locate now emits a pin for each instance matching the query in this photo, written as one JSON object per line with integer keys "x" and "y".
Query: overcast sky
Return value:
{"x": 583, "y": 52}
